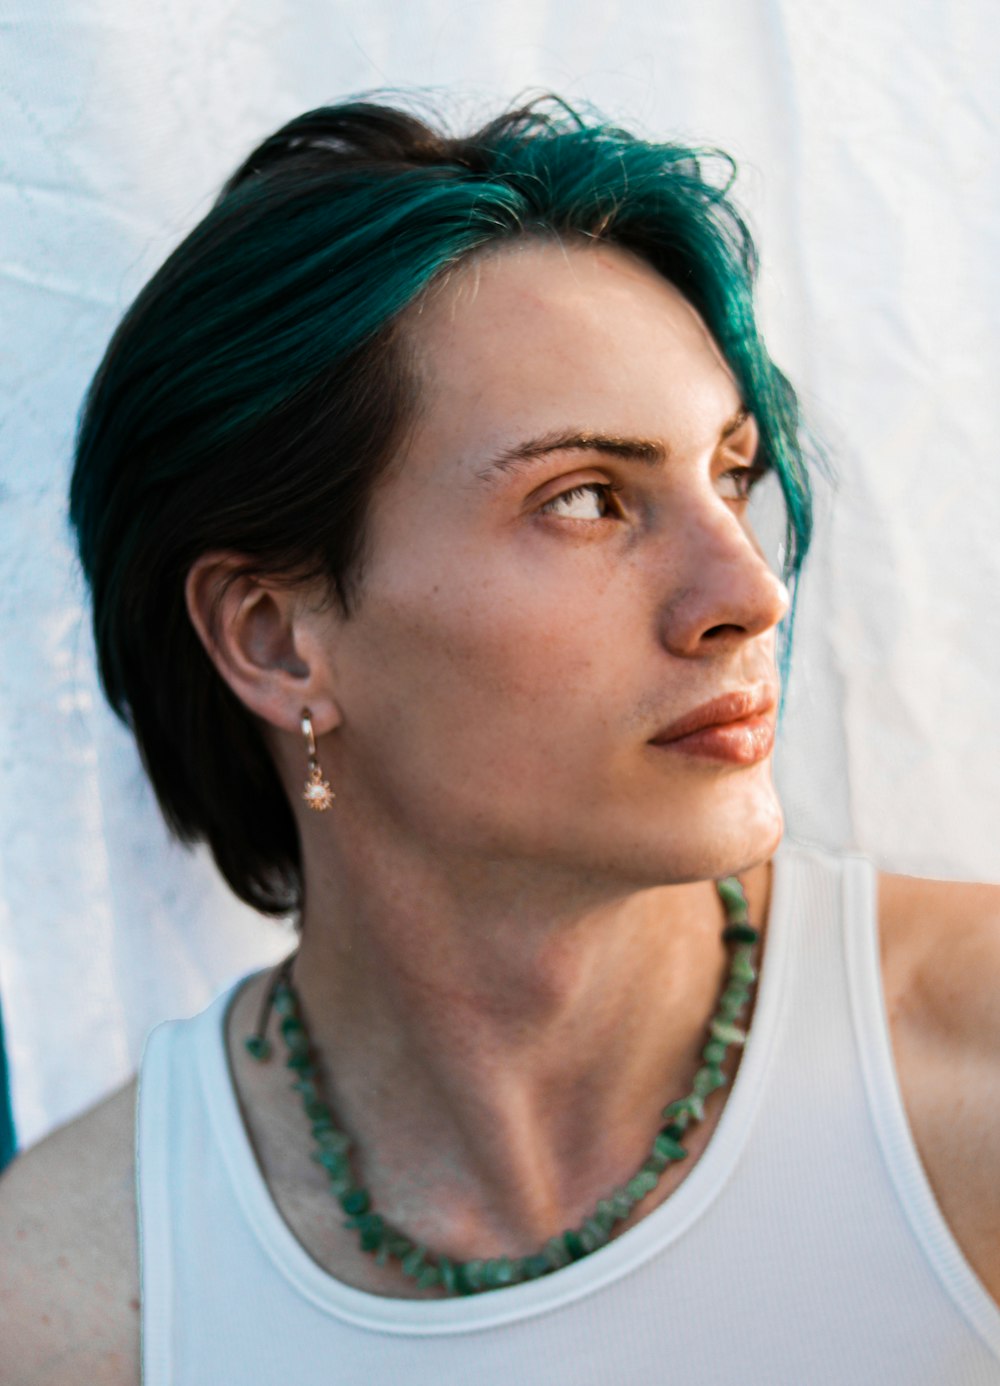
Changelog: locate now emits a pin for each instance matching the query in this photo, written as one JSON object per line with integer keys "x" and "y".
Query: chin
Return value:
{"x": 707, "y": 845}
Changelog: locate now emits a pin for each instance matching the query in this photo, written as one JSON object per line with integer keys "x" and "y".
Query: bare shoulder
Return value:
{"x": 941, "y": 957}
{"x": 69, "y": 1276}
{"x": 940, "y": 945}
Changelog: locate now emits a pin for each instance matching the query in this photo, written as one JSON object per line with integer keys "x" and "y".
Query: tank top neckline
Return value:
{"x": 664, "y": 1225}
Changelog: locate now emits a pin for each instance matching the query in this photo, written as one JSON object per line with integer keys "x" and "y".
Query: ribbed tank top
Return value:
{"x": 804, "y": 1248}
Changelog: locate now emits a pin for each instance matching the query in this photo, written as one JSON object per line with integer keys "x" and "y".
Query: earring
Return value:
{"x": 317, "y": 792}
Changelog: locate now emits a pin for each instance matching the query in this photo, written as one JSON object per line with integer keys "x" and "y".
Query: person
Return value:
{"x": 413, "y": 495}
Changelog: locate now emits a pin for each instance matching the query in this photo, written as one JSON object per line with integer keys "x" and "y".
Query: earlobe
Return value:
{"x": 252, "y": 632}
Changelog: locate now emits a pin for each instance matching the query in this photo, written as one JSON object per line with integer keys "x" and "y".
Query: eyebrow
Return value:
{"x": 648, "y": 451}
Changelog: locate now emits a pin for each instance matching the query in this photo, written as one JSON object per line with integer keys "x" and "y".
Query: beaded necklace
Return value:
{"x": 429, "y": 1269}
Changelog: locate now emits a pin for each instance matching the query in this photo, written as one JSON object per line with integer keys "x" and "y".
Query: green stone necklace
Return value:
{"x": 470, "y": 1277}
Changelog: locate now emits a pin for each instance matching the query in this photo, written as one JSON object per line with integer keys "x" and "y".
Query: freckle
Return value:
{"x": 46, "y": 1319}
{"x": 62, "y": 1261}
{"x": 134, "y": 1304}
{"x": 21, "y": 1233}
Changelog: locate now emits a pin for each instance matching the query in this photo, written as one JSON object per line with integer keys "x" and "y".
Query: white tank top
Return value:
{"x": 805, "y": 1247}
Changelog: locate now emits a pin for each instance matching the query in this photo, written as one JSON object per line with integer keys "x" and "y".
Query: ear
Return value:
{"x": 264, "y": 639}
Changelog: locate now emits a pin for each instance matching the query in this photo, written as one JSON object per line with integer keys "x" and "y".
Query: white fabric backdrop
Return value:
{"x": 867, "y": 137}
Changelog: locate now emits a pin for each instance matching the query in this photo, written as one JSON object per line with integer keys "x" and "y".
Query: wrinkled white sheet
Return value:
{"x": 868, "y": 137}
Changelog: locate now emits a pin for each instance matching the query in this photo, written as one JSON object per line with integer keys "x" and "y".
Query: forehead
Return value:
{"x": 540, "y": 334}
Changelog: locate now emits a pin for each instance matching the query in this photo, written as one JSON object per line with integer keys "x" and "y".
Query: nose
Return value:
{"x": 723, "y": 589}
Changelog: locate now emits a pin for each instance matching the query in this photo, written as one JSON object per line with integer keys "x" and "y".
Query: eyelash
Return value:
{"x": 752, "y": 474}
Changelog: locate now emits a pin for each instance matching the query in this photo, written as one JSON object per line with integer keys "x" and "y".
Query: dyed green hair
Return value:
{"x": 259, "y": 386}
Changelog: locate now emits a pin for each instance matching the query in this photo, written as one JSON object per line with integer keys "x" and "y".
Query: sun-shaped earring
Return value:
{"x": 317, "y": 792}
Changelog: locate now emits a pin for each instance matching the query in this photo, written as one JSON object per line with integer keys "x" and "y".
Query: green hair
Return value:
{"x": 257, "y": 388}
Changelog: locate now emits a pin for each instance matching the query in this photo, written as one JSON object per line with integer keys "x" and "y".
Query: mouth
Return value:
{"x": 743, "y": 743}
{"x": 737, "y": 727}
{"x": 738, "y": 708}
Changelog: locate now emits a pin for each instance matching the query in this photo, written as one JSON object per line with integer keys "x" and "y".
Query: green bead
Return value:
{"x": 536, "y": 1266}
{"x": 334, "y": 1140}
{"x": 299, "y": 1060}
{"x": 294, "y": 1031}
{"x": 731, "y": 893}
{"x": 397, "y": 1245}
{"x": 742, "y": 970}
{"x": 355, "y": 1201}
{"x": 449, "y": 1274}
{"x": 429, "y": 1277}
{"x": 574, "y": 1246}
{"x": 595, "y": 1232}
{"x": 621, "y": 1202}
{"x": 740, "y": 932}
{"x": 504, "y": 1271}
{"x": 463, "y": 1284}
{"x": 372, "y": 1232}
{"x": 332, "y": 1160}
{"x": 555, "y": 1253}
{"x": 413, "y": 1262}
{"x": 707, "y": 1079}
{"x": 284, "y": 1002}
{"x": 714, "y": 1052}
{"x": 258, "y": 1047}
{"x": 729, "y": 1034}
{"x": 690, "y": 1106}
{"x": 341, "y": 1184}
{"x": 307, "y": 1089}
{"x": 667, "y": 1147}
{"x": 681, "y": 1110}
{"x": 733, "y": 999}
{"x": 636, "y": 1188}
{"x": 318, "y": 1112}
{"x": 605, "y": 1216}
{"x": 675, "y": 1129}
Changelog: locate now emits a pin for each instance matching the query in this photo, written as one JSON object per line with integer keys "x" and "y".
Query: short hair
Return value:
{"x": 259, "y": 386}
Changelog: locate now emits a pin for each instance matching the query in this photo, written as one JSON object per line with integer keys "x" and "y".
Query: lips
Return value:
{"x": 736, "y": 706}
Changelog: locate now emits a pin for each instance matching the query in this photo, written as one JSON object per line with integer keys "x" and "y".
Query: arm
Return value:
{"x": 69, "y": 1276}
{"x": 941, "y": 954}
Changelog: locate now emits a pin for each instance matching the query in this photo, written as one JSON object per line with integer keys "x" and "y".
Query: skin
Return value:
{"x": 512, "y": 937}
{"x": 487, "y": 929}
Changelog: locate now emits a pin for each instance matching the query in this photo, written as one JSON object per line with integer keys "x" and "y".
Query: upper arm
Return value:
{"x": 69, "y": 1274}
{"x": 941, "y": 952}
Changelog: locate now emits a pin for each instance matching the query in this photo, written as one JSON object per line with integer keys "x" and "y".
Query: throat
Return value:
{"x": 510, "y": 1146}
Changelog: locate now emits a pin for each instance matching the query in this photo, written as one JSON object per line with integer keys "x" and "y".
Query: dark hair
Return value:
{"x": 259, "y": 386}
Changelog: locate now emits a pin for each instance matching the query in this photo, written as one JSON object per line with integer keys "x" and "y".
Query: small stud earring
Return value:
{"x": 317, "y": 792}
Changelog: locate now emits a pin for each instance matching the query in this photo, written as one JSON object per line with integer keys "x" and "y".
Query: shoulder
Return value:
{"x": 940, "y": 945}
{"x": 69, "y": 1275}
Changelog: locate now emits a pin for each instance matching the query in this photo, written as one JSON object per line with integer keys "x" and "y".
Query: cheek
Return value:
{"x": 467, "y": 657}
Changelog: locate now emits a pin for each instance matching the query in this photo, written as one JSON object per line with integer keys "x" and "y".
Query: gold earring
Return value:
{"x": 317, "y": 792}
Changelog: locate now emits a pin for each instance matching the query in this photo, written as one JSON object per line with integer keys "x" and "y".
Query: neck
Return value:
{"x": 500, "y": 1047}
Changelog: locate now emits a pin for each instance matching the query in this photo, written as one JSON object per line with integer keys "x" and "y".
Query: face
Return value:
{"x": 528, "y": 623}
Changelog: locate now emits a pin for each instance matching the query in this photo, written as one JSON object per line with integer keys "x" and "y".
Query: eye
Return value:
{"x": 590, "y": 501}
{"x": 748, "y": 478}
